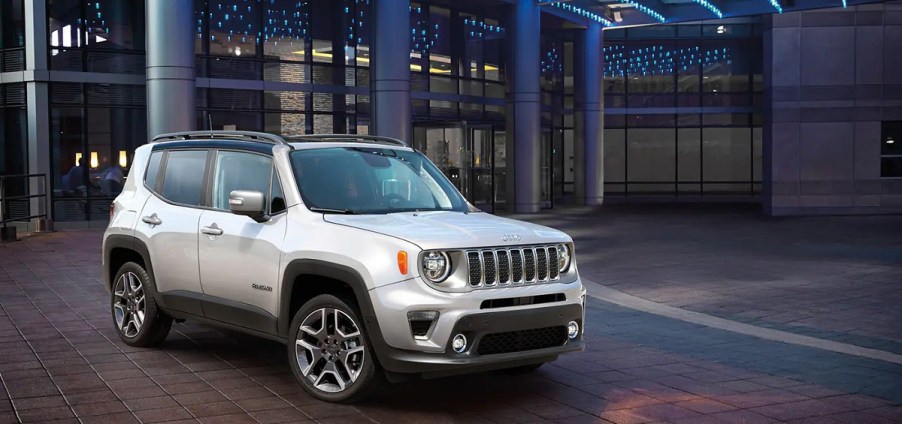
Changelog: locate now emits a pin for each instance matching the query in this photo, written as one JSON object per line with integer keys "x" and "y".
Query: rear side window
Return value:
{"x": 153, "y": 168}
{"x": 183, "y": 179}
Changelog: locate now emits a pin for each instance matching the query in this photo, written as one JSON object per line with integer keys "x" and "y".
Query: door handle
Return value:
{"x": 152, "y": 220}
{"x": 212, "y": 230}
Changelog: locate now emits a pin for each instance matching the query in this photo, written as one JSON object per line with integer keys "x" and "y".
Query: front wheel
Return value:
{"x": 329, "y": 354}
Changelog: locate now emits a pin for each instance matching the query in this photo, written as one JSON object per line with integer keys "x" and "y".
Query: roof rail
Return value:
{"x": 346, "y": 138}
{"x": 233, "y": 135}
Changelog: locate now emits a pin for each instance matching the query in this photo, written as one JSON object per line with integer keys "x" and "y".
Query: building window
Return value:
{"x": 712, "y": 144}
{"x": 13, "y": 129}
{"x": 891, "y": 150}
{"x": 12, "y": 35}
{"x": 95, "y": 129}
{"x": 96, "y": 36}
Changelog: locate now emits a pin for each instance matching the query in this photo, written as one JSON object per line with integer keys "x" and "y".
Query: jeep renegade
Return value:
{"x": 354, "y": 251}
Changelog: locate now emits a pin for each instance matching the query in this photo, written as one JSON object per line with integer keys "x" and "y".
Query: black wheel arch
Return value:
{"x": 331, "y": 271}
{"x": 119, "y": 249}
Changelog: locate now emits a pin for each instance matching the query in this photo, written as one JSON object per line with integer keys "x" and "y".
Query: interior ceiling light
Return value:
{"x": 645, "y": 9}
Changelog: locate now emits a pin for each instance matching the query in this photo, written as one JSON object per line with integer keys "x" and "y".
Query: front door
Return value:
{"x": 239, "y": 257}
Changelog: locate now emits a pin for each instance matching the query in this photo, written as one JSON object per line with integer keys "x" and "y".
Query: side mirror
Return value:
{"x": 249, "y": 203}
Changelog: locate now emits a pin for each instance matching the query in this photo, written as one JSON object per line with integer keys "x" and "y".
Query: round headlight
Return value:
{"x": 436, "y": 266}
{"x": 563, "y": 257}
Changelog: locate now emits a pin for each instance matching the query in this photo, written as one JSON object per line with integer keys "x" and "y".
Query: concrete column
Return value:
{"x": 589, "y": 105}
{"x": 524, "y": 108}
{"x": 170, "y": 66}
{"x": 37, "y": 92}
{"x": 390, "y": 70}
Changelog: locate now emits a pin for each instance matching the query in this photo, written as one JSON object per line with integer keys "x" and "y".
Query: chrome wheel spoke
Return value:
{"x": 340, "y": 335}
{"x": 315, "y": 353}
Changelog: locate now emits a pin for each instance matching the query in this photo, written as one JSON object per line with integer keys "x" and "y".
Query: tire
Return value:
{"x": 133, "y": 293}
{"x": 334, "y": 366}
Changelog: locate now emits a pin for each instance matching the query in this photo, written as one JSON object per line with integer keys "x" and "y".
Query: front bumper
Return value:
{"x": 461, "y": 313}
{"x": 476, "y": 327}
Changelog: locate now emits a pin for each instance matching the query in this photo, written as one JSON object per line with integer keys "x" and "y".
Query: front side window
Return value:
{"x": 372, "y": 181}
{"x": 239, "y": 171}
{"x": 183, "y": 180}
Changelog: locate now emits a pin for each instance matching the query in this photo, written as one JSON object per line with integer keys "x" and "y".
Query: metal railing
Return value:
{"x": 23, "y": 212}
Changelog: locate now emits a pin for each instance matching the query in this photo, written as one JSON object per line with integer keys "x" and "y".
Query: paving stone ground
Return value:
{"x": 60, "y": 358}
{"x": 836, "y": 278}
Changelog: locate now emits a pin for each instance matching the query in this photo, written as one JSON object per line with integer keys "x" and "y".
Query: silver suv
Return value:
{"x": 354, "y": 251}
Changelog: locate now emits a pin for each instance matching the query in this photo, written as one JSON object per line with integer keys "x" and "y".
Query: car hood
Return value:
{"x": 452, "y": 230}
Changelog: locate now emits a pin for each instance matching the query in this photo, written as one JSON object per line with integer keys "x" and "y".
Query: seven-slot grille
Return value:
{"x": 517, "y": 265}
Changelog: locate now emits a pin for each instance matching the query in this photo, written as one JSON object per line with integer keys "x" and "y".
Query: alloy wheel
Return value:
{"x": 128, "y": 304}
{"x": 330, "y": 349}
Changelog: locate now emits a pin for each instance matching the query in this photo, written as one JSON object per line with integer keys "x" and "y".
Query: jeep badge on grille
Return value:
{"x": 510, "y": 237}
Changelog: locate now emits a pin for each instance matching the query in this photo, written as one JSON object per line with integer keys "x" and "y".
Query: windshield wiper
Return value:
{"x": 329, "y": 210}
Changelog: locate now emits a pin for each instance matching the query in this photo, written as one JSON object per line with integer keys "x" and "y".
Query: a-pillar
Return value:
{"x": 390, "y": 78}
{"x": 524, "y": 109}
{"x": 170, "y": 66}
{"x": 589, "y": 122}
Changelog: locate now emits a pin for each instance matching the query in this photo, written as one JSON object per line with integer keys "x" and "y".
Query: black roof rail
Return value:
{"x": 346, "y": 138}
{"x": 225, "y": 134}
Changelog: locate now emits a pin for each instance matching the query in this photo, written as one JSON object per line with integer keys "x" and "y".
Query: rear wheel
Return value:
{"x": 329, "y": 354}
{"x": 135, "y": 314}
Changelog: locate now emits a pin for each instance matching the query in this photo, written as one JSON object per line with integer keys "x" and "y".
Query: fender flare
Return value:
{"x": 333, "y": 271}
{"x": 120, "y": 241}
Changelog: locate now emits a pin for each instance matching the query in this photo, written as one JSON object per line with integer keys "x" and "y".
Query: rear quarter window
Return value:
{"x": 153, "y": 169}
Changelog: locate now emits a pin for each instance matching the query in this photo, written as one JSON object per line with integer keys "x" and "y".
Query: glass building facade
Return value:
{"x": 684, "y": 104}
{"x": 683, "y": 109}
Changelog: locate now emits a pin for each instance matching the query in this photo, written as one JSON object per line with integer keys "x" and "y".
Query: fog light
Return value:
{"x": 572, "y": 329}
{"x": 459, "y": 343}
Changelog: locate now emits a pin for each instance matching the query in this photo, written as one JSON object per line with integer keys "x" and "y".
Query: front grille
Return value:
{"x": 518, "y": 265}
{"x": 519, "y": 341}
{"x": 488, "y": 265}
{"x": 529, "y": 264}
{"x": 542, "y": 263}
{"x": 554, "y": 269}
{"x": 475, "y": 266}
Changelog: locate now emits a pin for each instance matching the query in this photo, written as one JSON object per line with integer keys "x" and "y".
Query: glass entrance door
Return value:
{"x": 465, "y": 154}
{"x": 481, "y": 182}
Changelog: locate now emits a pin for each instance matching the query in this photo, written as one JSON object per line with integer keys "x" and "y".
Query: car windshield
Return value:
{"x": 372, "y": 180}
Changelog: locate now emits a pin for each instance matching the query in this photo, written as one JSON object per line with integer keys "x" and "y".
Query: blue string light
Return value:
{"x": 658, "y": 60}
{"x": 645, "y": 9}
{"x": 844, "y": 4}
{"x": 776, "y": 4}
{"x": 582, "y": 12}
{"x": 708, "y": 5}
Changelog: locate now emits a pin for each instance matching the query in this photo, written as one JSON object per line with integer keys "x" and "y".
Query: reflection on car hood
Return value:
{"x": 449, "y": 230}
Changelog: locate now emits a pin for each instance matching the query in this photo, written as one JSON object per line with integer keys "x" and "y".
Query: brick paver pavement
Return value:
{"x": 60, "y": 359}
{"x": 836, "y": 278}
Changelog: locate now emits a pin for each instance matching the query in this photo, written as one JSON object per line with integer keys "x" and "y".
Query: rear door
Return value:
{"x": 239, "y": 257}
{"x": 168, "y": 223}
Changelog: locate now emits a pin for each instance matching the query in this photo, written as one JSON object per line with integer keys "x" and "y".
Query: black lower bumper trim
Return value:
{"x": 475, "y": 327}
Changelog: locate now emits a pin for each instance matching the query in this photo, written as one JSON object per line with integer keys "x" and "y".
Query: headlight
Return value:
{"x": 436, "y": 266}
{"x": 563, "y": 257}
